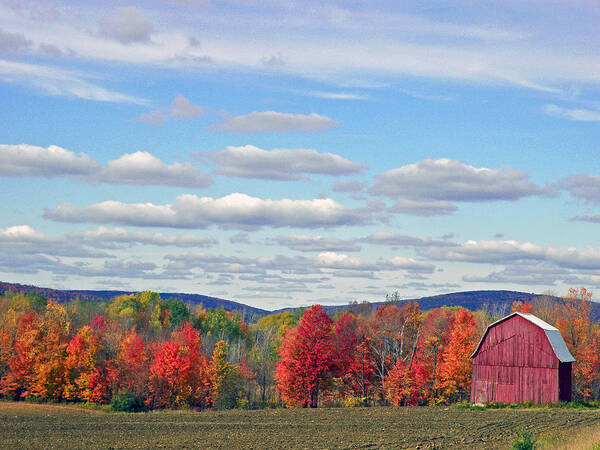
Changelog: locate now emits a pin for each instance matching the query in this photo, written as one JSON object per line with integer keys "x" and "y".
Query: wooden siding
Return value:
{"x": 516, "y": 363}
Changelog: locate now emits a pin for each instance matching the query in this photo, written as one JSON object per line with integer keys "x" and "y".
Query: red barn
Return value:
{"x": 521, "y": 358}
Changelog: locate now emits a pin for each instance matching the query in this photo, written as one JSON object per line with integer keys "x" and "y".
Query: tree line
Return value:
{"x": 139, "y": 351}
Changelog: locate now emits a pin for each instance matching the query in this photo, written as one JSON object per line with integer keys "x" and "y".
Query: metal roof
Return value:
{"x": 554, "y": 337}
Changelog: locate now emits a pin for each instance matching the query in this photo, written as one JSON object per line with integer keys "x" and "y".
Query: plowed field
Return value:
{"x": 49, "y": 426}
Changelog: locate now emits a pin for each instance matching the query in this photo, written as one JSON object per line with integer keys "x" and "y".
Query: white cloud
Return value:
{"x": 428, "y": 187}
{"x": 232, "y": 211}
{"x": 273, "y": 121}
{"x": 336, "y": 95}
{"x": 574, "y": 114}
{"x": 20, "y": 240}
{"x": 23, "y": 233}
{"x": 304, "y": 243}
{"x": 508, "y": 252}
{"x": 425, "y": 208}
{"x": 142, "y": 168}
{"x": 401, "y": 240}
{"x": 126, "y": 25}
{"x": 279, "y": 164}
{"x": 410, "y": 265}
{"x": 66, "y": 83}
{"x": 119, "y": 237}
{"x": 329, "y": 41}
{"x": 53, "y": 161}
{"x": 180, "y": 108}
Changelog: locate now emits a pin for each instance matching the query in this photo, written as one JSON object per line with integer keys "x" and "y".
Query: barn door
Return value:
{"x": 564, "y": 382}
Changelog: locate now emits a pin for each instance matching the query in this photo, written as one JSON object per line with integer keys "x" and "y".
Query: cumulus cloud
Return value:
{"x": 450, "y": 180}
{"x": 53, "y": 161}
{"x": 279, "y": 164}
{"x": 574, "y": 114}
{"x": 13, "y": 42}
{"x": 126, "y": 25}
{"x": 180, "y": 108}
{"x": 583, "y": 186}
{"x": 22, "y": 240}
{"x": 428, "y": 187}
{"x": 273, "y": 121}
{"x": 410, "y": 265}
{"x": 304, "y": 243}
{"x": 140, "y": 168}
{"x": 232, "y": 211}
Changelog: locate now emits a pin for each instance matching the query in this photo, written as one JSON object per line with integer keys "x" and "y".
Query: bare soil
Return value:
{"x": 57, "y": 426}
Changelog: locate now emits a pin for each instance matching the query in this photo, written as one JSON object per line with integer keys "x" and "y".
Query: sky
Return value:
{"x": 284, "y": 153}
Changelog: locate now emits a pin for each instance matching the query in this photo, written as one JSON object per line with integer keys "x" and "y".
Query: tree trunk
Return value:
{"x": 314, "y": 397}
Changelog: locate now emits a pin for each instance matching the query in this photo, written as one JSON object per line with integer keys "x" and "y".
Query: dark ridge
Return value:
{"x": 102, "y": 296}
{"x": 494, "y": 301}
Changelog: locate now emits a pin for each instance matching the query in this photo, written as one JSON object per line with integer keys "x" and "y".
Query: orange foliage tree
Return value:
{"x": 455, "y": 368}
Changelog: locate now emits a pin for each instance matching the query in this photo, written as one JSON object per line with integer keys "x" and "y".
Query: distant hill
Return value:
{"x": 59, "y": 295}
{"x": 497, "y": 301}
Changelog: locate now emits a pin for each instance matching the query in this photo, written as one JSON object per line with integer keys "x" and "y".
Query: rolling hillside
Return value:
{"x": 499, "y": 301}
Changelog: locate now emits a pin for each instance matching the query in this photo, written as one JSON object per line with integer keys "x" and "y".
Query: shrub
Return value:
{"x": 525, "y": 440}
{"x": 350, "y": 401}
{"x": 126, "y": 402}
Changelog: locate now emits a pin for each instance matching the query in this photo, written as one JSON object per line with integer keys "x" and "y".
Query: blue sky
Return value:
{"x": 289, "y": 153}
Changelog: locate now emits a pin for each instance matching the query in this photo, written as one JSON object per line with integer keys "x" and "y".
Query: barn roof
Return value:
{"x": 554, "y": 337}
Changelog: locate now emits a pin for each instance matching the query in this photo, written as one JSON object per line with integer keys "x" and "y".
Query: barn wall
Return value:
{"x": 506, "y": 384}
{"x": 515, "y": 363}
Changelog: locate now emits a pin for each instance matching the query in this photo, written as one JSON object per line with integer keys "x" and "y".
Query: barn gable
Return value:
{"x": 554, "y": 337}
{"x": 521, "y": 358}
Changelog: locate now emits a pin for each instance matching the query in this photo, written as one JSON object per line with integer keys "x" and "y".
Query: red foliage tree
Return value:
{"x": 306, "y": 359}
{"x": 353, "y": 356}
{"x": 179, "y": 372}
{"x": 132, "y": 364}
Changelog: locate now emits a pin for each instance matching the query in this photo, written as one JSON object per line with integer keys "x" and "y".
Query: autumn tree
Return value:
{"x": 132, "y": 364}
{"x": 455, "y": 368}
{"x": 225, "y": 378}
{"x": 581, "y": 336}
{"x": 434, "y": 337}
{"x": 306, "y": 359}
{"x": 406, "y": 385}
{"x": 522, "y": 307}
{"x": 179, "y": 372}
{"x": 393, "y": 336}
{"x": 353, "y": 356}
